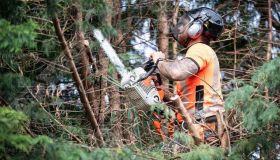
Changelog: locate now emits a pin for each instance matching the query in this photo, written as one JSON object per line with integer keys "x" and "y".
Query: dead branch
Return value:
{"x": 78, "y": 81}
{"x": 186, "y": 115}
{"x": 55, "y": 120}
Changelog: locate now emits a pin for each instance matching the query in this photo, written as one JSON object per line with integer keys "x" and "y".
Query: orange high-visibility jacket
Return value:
{"x": 204, "y": 88}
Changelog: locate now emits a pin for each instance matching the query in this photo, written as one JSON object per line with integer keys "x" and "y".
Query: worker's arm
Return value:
{"x": 178, "y": 70}
{"x": 175, "y": 70}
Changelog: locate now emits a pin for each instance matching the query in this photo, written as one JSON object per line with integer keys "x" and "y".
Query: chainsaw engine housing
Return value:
{"x": 142, "y": 94}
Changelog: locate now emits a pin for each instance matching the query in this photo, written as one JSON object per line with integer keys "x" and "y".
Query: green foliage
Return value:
{"x": 204, "y": 152}
{"x": 25, "y": 142}
{"x": 95, "y": 11}
{"x": 11, "y": 124}
{"x": 66, "y": 151}
{"x": 11, "y": 84}
{"x": 184, "y": 139}
{"x": 15, "y": 37}
{"x": 53, "y": 6}
{"x": 243, "y": 148}
{"x": 11, "y": 121}
{"x": 34, "y": 112}
{"x": 125, "y": 154}
{"x": 12, "y": 138}
{"x": 96, "y": 7}
{"x": 268, "y": 76}
{"x": 257, "y": 111}
{"x": 13, "y": 11}
{"x": 17, "y": 145}
{"x": 239, "y": 97}
{"x": 50, "y": 46}
{"x": 164, "y": 110}
{"x": 108, "y": 31}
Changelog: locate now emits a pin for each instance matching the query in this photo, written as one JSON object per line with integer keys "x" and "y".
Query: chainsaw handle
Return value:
{"x": 152, "y": 70}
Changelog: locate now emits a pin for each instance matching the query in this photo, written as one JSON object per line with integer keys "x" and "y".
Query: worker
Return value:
{"x": 198, "y": 74}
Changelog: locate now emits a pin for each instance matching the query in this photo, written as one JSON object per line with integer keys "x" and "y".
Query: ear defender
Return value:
{"x": 195, "y": 29}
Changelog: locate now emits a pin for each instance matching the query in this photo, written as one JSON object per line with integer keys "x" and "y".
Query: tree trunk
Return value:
{"x": 234, "y": 42}
{"x": 126, "y": 131}
{"x": 269, "y": 45}
{"x": 174, "y": 42}
{"x": 163, "y": 29}
{"x": 86, "y": 57}
{"x": 163, "y": 34}
{"x": 174, "y": 22}
{"x": 78, "y": 82}
{"x": 104, "y": 64}
{"x": 114, "y": 91}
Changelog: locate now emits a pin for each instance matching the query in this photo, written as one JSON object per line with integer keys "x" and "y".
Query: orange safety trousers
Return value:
{"x": 171, "y": 126}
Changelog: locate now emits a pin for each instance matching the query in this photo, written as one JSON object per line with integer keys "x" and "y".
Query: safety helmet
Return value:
{"x": 196, "y": 22}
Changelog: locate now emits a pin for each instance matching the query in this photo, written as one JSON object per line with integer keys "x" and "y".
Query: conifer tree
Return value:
{"x": 48, "y": 121}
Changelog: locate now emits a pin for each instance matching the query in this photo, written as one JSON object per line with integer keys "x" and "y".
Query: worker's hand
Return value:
{"x": 157, "y": 55}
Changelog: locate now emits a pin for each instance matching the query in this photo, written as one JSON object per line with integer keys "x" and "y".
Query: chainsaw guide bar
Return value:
{"x": 142, "y": 94}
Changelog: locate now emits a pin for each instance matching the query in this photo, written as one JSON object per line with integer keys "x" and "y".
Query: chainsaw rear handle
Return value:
{"x": 151, "y": 66}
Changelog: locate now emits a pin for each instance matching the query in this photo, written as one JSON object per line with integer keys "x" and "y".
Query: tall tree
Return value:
{"x": 78, "y": 81}
{"x": 85, "y": 55}
{"x": 163, "y": 31}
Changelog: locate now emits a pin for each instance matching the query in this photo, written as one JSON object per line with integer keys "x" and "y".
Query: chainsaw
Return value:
{"x": 136, "y": 83}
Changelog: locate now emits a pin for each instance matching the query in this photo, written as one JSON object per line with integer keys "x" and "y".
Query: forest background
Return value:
{"x": 59, "y": 94}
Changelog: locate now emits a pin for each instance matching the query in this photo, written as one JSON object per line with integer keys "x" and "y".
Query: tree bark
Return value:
{"x": 263, "y": 7}
{"x": 114, "y": 91}
{"x": 174, "y": 22}
{"x": 104, "y": 64}
{"x": 86, "y": 58}
{"x": 163, "y": 34}
{"x": 174, "y": 42}
{"x": 124, "y": 41}
{"x": 269, "y": 45}
{"x": 78, "y": 81}
{"x": 234, "y": 42}
{"x": 163, "y": 28}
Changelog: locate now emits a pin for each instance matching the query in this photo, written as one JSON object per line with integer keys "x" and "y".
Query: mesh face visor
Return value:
{"x": 181, "y": 26}
{"x": 212, "y": 23}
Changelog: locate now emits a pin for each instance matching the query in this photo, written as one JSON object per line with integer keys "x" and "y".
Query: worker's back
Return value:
{"x": 204, "y": 88}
